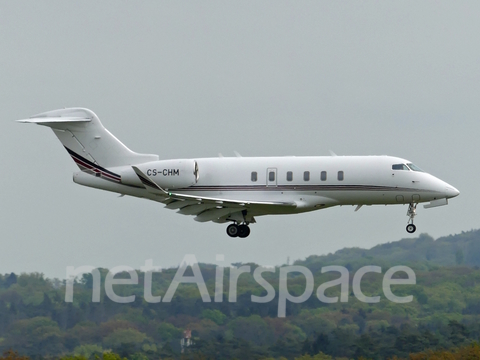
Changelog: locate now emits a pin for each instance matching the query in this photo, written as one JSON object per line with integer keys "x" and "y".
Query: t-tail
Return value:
{"x": 93, "y": 148}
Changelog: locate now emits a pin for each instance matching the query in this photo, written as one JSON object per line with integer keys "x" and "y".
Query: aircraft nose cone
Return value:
{"x": 451, "y": 192}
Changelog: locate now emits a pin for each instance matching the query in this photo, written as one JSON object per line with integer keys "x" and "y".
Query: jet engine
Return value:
{"x": 168, "y": 174}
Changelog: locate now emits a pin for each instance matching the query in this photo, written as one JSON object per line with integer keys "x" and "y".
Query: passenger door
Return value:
{"x": 271, "y": 177}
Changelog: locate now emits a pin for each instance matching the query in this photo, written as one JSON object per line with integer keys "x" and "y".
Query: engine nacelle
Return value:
{"x": 168, "y": 174}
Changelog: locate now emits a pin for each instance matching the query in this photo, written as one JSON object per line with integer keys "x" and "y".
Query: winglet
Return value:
{"x": 149, "y": 184}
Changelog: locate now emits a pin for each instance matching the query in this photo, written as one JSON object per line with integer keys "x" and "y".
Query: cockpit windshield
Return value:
{"x": 406, "y": 167}
{"x": 414, "y": 167}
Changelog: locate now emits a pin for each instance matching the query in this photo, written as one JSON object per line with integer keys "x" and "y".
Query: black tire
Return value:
{"x": 243, "y": 231}
{"x": 411, "y": 228}
{"x": 232, "y": 230}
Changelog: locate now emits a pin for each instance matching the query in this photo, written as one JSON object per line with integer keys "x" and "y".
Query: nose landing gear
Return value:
{"x": 411, "y": 212}
{"x": 234, "y": 230}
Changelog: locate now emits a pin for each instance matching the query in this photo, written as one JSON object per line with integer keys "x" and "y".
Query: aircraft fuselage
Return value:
{"x": 312, "y": 183}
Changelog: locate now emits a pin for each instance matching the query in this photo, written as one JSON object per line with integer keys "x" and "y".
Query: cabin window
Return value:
{"x": 306, "y": 176}
{"x": 254, "y": 176}
{"x": 400, "y": 167}
{"x": 340, "y": 176}
{"x": 289, "y": 176}
{"x": 271, "y": 176}
{"x": 323, "y": 175}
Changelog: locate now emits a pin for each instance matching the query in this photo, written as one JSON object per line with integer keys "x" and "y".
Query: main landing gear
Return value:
{"x": 411, "y": 212}
{"x": 234, "y": 230}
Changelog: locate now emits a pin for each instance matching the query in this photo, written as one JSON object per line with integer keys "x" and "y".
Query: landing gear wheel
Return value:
{"x": 411, "y": 213}
{"x": 232, "y": 230}
{"x": 243, "y": 231}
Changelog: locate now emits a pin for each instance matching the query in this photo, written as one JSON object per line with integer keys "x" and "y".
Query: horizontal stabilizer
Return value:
{"x": 54, "y": 120}
{"x": 72, "y": 115}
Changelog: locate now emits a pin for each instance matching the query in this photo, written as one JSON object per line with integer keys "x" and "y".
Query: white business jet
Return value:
{"x": 238, "y": 189}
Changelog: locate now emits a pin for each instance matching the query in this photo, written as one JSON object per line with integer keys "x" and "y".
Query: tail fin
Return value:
{"x": 83, "y": 135}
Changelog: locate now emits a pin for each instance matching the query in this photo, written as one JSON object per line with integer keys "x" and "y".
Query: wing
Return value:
{"x": 212, "y": 209}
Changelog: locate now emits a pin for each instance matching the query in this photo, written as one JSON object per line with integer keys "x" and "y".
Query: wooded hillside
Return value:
{"x": 36, "y": 321}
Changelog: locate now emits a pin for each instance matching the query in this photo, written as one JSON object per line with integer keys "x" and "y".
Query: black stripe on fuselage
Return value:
{"x": 87, "y": 164}
{"x": 301, "y": 188}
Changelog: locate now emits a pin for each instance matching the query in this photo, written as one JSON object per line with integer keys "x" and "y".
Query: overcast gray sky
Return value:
{"x": 264, "y": 78}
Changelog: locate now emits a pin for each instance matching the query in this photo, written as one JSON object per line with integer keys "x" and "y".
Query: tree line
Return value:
{"x": 36, "y": 321}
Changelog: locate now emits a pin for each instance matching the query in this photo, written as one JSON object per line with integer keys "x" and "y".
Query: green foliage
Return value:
{"x": 421, "y": 253}
{"x": 253, "y": 329}
{"x": 12, "y": 355}
{"x": 471, "y": 351}
{"x": 319, "y": 356}
{"x": 124, "y": 337}
{"x": 74, "y": 357}
{"x": 39, "y": 335}
{"x": 215, "y": 315}
{"x": 444, "y": 313}
{"x": 167, "y": 331}
{"x": 459, "y": 258}
{"x": 87, "y": 351}
{"x": 112, "y": 356}
{"x": 205, "y": 329}
{"x": 103, "y": 356}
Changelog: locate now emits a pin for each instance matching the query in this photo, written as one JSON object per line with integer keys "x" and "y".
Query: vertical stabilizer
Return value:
{"x": 83, "y": 135}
